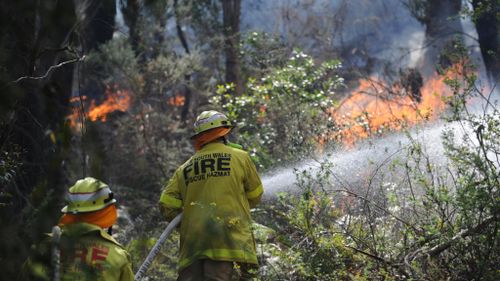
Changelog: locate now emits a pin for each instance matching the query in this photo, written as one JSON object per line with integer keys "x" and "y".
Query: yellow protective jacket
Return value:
{"x": 87, "y": 253}
{"x": 215, "y": 190}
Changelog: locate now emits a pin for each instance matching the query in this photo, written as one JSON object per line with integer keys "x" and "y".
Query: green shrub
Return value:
{"x": 282, "y": 115}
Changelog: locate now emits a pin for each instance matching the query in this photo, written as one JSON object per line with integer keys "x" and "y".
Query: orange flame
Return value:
{"x": 371, "y": 110}
{"x": 177, "y": 100}
{"x": 119, "y": 100}
{"x": 116, "y": 100}
{"x": 74, "y": 117}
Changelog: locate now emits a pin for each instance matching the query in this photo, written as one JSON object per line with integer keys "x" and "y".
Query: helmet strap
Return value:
{"x": 110, "y": 230}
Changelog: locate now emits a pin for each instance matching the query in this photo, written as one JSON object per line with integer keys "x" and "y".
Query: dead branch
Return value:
{"x": 438, "y": 249}
{"x": 375, "y": 257}
{"x": 49, "y": 71}
{"x": 380, "y": 259}
{"x": 366, "y": 200}
{"x": 434, "y": 251}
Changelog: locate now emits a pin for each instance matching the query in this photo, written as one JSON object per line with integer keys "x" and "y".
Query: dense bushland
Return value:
{"x": 407, "y": 217}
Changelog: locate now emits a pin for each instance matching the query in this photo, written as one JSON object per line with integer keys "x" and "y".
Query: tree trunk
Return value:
{"x": 231, "y": 10}
{"x": 35, "y": 35}
{"x": 442, "y": 24}
{"x": 44, "y": 105}
{"x": 186, "y": 90}
{"x": 98, "y": 22}
{"x": 131, "y": 12}
{"x": 488, "y": 30}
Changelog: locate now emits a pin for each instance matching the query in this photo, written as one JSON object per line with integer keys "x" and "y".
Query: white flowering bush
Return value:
{"x": 282, "y": 115}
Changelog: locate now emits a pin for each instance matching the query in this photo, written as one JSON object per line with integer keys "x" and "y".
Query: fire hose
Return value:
{"x": 156, "y": 248}
{"x": 56, "y": 253}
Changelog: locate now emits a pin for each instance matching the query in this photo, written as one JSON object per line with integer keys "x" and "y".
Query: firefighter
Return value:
{"x": 86, "y": 248}
{"x": 215, "y": 190}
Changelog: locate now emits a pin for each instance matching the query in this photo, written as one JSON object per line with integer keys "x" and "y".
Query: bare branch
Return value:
{"x": 439, "y": 248}
{"x": 368, "y": 201}
{"x": 49, "y": 71}
{"x": 436, "y": 250}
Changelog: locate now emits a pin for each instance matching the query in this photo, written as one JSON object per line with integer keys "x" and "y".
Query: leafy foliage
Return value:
{"x": 282, "y": 114}
{"x": 438, "y": 222}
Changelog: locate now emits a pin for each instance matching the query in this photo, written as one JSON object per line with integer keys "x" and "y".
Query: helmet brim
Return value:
{"x": 201, "y": 133}
{"x": 66, "y": 209}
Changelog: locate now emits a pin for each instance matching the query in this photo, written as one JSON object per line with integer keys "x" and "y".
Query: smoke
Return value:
{"x": 415, "y": 48}
{"x": 364, "y": 34}
{"x": 120, "y": 27}
{"x": 484, "y": 83}
{"x": 371, "y": 36}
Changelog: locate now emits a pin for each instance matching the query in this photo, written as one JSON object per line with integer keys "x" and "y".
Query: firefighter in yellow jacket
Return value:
{"x": 86, "y": 248}
{"x": 215, "y": 190}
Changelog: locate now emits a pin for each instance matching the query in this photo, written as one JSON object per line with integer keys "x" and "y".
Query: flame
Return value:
{"x": 177, "y": 100}
{"x": 74, "y": 117}
{"x": 77, "y": 99}
{"x": 115, "y": 100}
{"x": 374, "y": 107}
{"x": 119, "y": 100}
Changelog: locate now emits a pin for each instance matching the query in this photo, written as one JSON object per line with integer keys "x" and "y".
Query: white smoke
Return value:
{"x": 380, "y": 29}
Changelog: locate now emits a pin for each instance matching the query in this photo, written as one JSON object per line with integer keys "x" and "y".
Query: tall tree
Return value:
{"x": 97, "y": 21}
{"x": 442, "y": 25}
{"x": 487, "y": 20}
{"x": 131, "y": 10}
{"x": 186, "y": 90}
{"x": 231, "y": 11}
{"x": 36, "y": 80}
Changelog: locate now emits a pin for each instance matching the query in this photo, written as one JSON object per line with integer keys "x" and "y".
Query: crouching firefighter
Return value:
{"x": 84, "y": 249}
{"x": 215, "y": 190}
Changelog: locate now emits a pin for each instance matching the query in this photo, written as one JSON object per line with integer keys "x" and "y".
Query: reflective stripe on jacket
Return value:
{"x": 215, "y": 190}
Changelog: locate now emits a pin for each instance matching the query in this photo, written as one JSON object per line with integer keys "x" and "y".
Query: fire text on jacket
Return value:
{"x": 205, "y": 166}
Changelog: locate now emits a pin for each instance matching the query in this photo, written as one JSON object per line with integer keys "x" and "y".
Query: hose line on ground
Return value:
{"x": 156, "y": 248}
{"x": 56, "y": 253}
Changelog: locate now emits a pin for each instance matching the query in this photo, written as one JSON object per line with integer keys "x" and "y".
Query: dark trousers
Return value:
{"x": 210, "y": 270}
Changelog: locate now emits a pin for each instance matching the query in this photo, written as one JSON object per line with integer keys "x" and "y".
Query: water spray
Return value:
{"x": 351, "y": 165}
